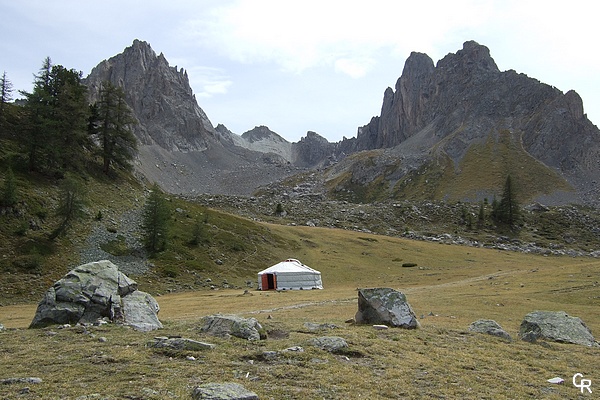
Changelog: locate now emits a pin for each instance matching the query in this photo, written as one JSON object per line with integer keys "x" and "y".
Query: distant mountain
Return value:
{"x": 456, "y": 129}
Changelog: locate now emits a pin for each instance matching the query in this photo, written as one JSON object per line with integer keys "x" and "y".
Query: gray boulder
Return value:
{"x": 331, "y": 344}
{"x": 222, "y": 391}
{"x": 140, "y": 311}
{"x": 489, "y": 327}
{"x": 93, "y": 291}
{"x": 385, "y": 306}
{"x": 233, "y": 325}
{"x": 557, "y": 326}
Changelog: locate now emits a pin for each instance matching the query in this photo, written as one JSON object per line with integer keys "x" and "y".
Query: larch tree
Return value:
{"x": 113, "y": 128}
{"x": 155, "y": 220}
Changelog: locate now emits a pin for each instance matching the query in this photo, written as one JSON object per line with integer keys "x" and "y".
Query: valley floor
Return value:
{"x": 450, "y": 288}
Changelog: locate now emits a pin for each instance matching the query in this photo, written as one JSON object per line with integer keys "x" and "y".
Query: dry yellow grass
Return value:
{"x": 441, "y": 360}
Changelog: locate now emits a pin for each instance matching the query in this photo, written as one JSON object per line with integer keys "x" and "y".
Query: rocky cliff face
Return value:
{"x": 444, "y": 110}
{"x": 160, "y": 96}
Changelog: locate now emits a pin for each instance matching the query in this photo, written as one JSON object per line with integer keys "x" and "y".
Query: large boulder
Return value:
{"x": 385, "y": 306}
{"x": 233, "y": 325}
{"x": 93, "y": 291}
{"x": 557, "y": 326}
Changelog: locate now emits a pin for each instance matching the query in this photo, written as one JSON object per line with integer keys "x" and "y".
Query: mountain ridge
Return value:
{"x": 430, "y": 121}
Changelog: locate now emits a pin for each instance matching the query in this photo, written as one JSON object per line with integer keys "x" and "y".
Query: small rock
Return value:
{"x": 30, "y": 380}
{"x": 331, "y": 344}
{"x": 223, "y": 391}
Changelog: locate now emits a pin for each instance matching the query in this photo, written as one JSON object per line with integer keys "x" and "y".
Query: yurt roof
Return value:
{"x": 289, "y": 265}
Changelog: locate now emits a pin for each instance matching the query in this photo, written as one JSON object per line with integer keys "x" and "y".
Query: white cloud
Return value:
{"x": 208, "y": 81}
{"x": 354, "y": 67}
{"x": 298, "y": 35}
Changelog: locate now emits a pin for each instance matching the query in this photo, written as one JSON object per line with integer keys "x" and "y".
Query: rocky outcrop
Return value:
{"x": 94, "y": 291}
{"x": 385, "y": 306}
{"x": 159, "y": 95}
{"x": 314, "y": 150}
{"x": 557, "y": 326}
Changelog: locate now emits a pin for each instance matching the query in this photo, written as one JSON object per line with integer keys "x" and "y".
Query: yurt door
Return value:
{"x": 269, "y": 282}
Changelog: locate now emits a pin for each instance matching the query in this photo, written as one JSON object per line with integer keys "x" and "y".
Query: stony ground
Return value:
{"x": 426, "y": 220}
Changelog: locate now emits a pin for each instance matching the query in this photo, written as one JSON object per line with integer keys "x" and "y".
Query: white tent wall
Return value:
{"x": 298, "y": 281}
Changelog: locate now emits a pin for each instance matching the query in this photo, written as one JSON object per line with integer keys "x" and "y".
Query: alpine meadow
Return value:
{"x": 132, "y": 232}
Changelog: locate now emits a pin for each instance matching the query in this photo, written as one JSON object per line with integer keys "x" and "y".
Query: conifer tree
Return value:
{"x": 113, "y": 128}
{"x": 71, "y": 203}
{"x": 37, "y": 126}
{"x": 507, "y": 211}
{"x": 54, "y": 134}
{"x": 5, "y": 96}
{"x": 156, "y": 220}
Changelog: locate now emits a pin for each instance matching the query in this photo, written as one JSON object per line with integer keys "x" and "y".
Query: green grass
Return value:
{"x": 440, "y": 360}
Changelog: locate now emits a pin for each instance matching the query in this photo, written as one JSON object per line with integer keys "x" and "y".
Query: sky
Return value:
{"x": 309, "y": 65}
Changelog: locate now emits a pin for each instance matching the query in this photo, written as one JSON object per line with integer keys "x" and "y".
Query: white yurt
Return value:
{"x": 290, "y": 274}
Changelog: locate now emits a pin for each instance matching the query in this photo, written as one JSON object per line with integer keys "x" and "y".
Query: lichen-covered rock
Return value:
{"x": 223, "y": 391}
{"x": 93, "y": 291}
{"x": 233, "y": 325}
{"x": 489, "y": 327}
{"x": 557, "y": 326}
{"x": 385, "y": 306}
{"x": 331, "y": 344}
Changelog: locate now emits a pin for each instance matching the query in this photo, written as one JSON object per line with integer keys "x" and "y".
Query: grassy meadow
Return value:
{"x": 450, "y": 287}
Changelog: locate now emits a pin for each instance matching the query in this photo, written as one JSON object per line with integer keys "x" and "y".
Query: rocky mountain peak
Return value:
{"x": 160, "y": 97}
{"x": 473, "y": 57}
{"x": 261, "y": 133}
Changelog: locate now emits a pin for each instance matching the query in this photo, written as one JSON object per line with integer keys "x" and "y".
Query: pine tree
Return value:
{"x": 507, "y": 210}
{"x": 37, "y": 126}
{"x": 112, "y": 127}
{"x": 71, "y": 113}
{"x": 156, "y": 220}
